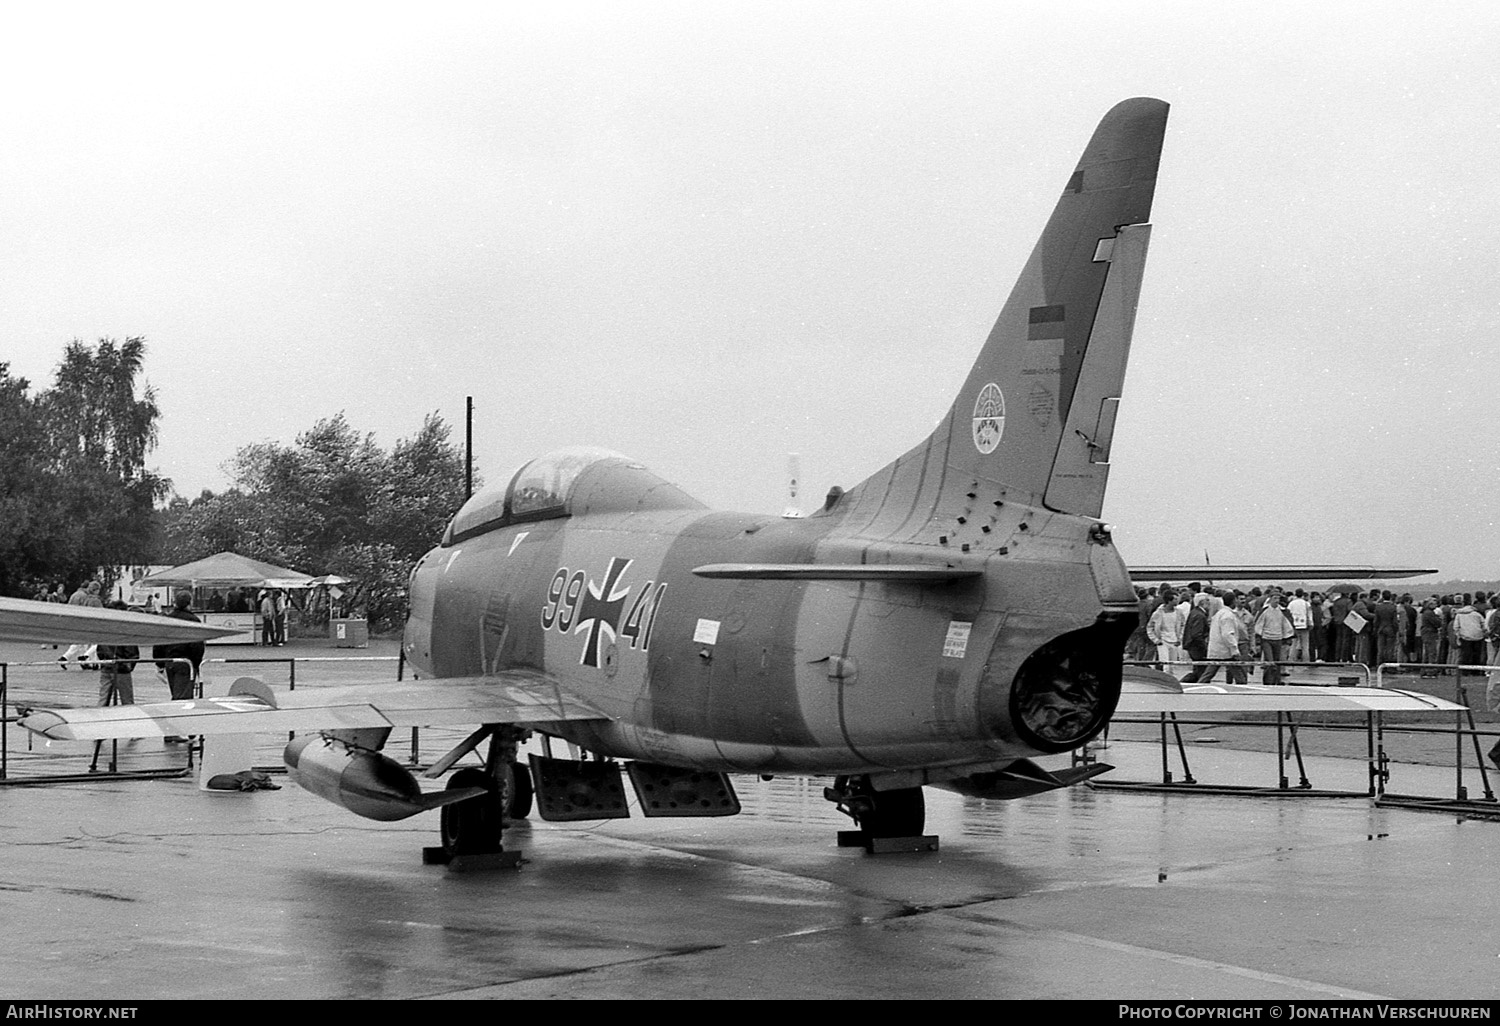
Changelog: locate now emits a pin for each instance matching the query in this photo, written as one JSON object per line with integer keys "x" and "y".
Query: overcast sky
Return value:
{"x": 710, "y": 234}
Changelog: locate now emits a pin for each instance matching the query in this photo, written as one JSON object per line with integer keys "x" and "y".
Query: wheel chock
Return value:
{"x": 887, "y": 845}
{"x": 439, "y": 856}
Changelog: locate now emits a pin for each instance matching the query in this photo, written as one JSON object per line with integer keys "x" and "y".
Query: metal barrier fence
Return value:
{"x": 35, "y": 760}
{"x": 1464, "y": 727}
{"x": 96, "y": 687}
{"x": 43, "y": 689}
{"x": 1377, "y": 726}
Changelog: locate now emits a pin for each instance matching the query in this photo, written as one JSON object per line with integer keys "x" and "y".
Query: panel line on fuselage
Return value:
{"x": 859, "y": 599}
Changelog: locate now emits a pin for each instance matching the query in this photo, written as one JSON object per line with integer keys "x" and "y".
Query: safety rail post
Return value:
{"x": 1166, "y": 771}
{"x": 1461, "y": 697}
{"x": 1385, "y": 758}
{"x": 1467, "y": 713}
{"x": 4, "y": 718}
{"x": 113, "y": 698}
{"x": 1297, "y": 751}
{"x": 1281, "y": 752}
{"x": 415, "y": 731}
{"x": 1187, "y": 771}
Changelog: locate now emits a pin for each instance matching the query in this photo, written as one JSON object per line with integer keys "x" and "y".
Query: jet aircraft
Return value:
{"x": 944, "y": 622}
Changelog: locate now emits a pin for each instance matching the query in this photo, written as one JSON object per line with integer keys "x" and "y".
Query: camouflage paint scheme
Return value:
{"x": 959, "y": 611}
{"x": 814, "y": 674}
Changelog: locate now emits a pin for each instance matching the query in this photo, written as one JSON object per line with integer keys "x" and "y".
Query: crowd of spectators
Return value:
{"x": 1212, "y": 627}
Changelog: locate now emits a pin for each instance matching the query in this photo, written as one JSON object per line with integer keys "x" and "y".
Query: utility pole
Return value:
{"x": 468, "y": 448}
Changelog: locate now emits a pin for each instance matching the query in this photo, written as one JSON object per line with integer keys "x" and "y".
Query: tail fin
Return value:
{"x": 1037, "y": 413}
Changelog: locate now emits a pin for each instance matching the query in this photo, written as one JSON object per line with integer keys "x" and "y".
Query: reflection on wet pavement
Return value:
{"x": 157, "y": 889}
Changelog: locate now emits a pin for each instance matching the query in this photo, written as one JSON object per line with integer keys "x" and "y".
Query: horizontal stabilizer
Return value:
{"x": 914, "y": 573}
{"x": 1021, "y": 779}
{"x": 55, "y": 623}
{"x": 1273, "y": 573}
{"x": 515, "y": 696}
{"x": 1151, "y": 691}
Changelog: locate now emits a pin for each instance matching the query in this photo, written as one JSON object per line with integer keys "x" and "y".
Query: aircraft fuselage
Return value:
{"x": 778, "y": 675}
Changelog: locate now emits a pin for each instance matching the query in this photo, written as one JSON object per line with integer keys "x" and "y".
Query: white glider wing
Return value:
{"x": 1268, "y": 572}
{"x": 1151, "y": 691}
{"x": 514, "y": 696}
{"x": 52, "y": 622}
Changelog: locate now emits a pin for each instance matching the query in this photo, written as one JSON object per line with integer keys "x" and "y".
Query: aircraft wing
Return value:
{"x": 513, "y": 696}
{"x": 1273, "y": 573}
{"x": 52, "y": 622}
{"x": 1151, "y": 691}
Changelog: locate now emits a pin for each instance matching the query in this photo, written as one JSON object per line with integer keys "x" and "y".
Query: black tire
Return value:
{"x": 522, "y": 791}
{"x": 899, "y": 813}
{"x": 472, "y": 826}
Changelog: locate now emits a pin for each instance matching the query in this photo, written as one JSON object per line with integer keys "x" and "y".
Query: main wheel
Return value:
{"x": 521, "y": 790}
{"x": 472, "y": 826}
{"x": 899, "y": 813}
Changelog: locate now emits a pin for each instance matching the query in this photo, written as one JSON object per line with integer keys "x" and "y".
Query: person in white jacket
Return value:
{"x": 1165, "y": 631}
{"x": 1273, "y": 629}
{"x": 1223, "y": 637}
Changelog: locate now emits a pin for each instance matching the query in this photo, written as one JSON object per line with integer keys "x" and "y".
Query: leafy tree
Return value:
{"x": 423, "y": 490}
{"x": 75, "y": 493}
{"x": 332, "y": 502}
{"x": 93, "y": 414}
{"x": 316, "y": 495}
{"x": 25, "y": 542}
{"x": 208, "y": 524}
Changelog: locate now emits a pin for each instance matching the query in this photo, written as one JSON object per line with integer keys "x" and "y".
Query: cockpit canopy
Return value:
{"x": 547, "y": 487}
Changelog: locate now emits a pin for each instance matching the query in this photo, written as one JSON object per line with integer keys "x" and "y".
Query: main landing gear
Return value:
{"x": 471, "y": 829}
{"x": 888, "y": 821}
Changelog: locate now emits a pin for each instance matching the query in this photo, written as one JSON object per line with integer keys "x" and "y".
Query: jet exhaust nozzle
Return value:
{"x": 1065, "y": 691}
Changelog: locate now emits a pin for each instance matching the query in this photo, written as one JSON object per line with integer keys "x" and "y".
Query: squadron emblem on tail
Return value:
{"x": 989, "y": 418}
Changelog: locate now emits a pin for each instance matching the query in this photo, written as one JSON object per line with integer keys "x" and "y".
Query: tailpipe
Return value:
{"x": 366, "y": 783}
{"x": 1065, "y": 691}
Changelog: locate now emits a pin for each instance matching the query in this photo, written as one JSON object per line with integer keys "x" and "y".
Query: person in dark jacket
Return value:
{"x": 1411, "y": 643}
{"x": 116, "y": 664}
{"x": 180, "y": 675}
{"x": 1344, "y": 635}
{"x": 1195, "y": 638}
{"x": 1387, "y": 623}
{"x": 1431, "y": 625}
